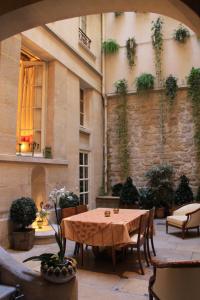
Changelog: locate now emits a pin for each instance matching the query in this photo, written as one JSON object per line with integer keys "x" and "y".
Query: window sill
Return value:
{"x": 84, "y": 130}
{"x": 33, "y": 160}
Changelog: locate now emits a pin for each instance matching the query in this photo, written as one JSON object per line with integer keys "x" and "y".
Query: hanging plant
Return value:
{"x": 121, "y": 86}
{"x": 144, "y": 82}
{"x": 157, "y": 43}
{"x": 181, "y": 34}
{"x": 118, "y": 13}
{"x": 110, "y": 46}
{"x": 122, "y": 127}
{"x": 171, "y": 88}
{"x": 131, "y": 51}
{"x": 193, "y": 82}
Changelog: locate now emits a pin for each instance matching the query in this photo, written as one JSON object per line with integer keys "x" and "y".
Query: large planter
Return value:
{"x": 60, "y": 273}
{"x": 160, "y": 212}
{"x": 23, "y": 240}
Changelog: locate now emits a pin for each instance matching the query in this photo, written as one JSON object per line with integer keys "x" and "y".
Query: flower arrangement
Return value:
{"x": 56, "y": 267}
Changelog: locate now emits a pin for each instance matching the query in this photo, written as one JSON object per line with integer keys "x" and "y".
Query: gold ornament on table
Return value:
{"x": 107, "y": 213}
{"x": 116, "y": 210}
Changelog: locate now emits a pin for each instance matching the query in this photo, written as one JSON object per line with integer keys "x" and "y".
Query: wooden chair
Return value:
{"x": 68, "y": 212}
{"x": 175, "y": 280}
{"x": 139, "y": 239}
{"x": 187, "y": 217}
{"x": 81, "y": 209}
{"x": 150, "y": 232}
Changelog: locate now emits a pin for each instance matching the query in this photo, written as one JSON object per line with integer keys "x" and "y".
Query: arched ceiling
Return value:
{"x": 17, "y": 16}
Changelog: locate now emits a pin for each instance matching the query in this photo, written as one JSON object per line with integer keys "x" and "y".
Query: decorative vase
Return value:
{"x": 61, "y": 273}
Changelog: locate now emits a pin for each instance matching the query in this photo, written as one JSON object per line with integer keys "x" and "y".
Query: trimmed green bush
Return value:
{"x": 110, "y": 46}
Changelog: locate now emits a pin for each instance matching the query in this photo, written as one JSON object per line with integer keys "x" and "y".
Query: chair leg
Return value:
{"x": 166, "y": 227}
{"x": 150, "y": 296}
{"x": 114, "y": 258}
{"x": 81, "y": 247}
{"x": 152, "y": 245}
{"x": 145, "y": 252}
{"x": 76, "y": 248}
{"x": 183, "y": 233}
{"x": 139, "y": 259}
{"x": 148, "y": 250}
{"x": 198, "y": 231}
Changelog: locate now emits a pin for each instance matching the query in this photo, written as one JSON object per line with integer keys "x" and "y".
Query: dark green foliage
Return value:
{"x": 131, "y": 51}
{"x": 68, "y": 200}
{"x": 23, "y": 212}
{"x": 118, "y": 13}
{"x": 181, "y": 34}
{"x": 161, "y": 192}
{"x": 157, "y": 43}
{"x": 171, "y": 88}
{"x": 121, "y": 86}
{"x": 129, "y": 193}
{"x": 194, "y": 93}
{"x": 146, "y": 198}
{"x": 184, "y": 192}
{"x": 116, "y": 189}
{"x": 144, "y": 82}
{"x": 110, "y": 46}
{"x": 198, "y": 195}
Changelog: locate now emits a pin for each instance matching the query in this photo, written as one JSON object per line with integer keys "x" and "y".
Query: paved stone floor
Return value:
{"x": 97, "y": 279}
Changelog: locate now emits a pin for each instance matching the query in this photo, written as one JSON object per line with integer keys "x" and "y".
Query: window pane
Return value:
{"x": 86, "y": 198}
{"x": 81, "y": 186}
{"x": 81, "y": 158}
{"x": 86, "y": 159}
{"x": 86, "y": 172}
{"x": 81, "y": 199}
{"x": 81, "y": 172}
{"x": 81, "y": 119}
{"x": 86, "y": 185}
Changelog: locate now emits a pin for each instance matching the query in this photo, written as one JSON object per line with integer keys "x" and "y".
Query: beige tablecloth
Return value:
{"x": 93, "y": 228}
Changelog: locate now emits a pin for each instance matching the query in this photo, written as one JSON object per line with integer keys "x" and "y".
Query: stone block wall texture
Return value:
{"x": 144, "y": 136}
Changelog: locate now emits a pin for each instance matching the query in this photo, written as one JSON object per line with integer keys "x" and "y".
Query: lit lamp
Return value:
{"x": 25, "y": 143}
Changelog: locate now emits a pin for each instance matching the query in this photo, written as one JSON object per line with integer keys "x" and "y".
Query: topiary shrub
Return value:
{"x": 23, "y": 212}
{"x": 144, "y": 82}
{"x": 68, "y": 199}
{"x": 116, "y": 189}
{"x": 129, "y": 194}
{"x": 184, "y": 192}
{"x": 110, "y": 46}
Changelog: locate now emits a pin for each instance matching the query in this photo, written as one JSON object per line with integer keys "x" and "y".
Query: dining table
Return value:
{"x": 96, "y": 229}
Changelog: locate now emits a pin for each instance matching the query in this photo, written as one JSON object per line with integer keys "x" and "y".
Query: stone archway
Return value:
{"x": 22, "y": 15}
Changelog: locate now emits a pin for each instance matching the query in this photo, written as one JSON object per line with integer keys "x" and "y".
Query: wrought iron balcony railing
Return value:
{"x": 83, "y": 38}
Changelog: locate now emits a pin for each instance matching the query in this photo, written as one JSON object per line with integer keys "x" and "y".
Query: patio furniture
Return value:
{"x": 139, "y": 239}
{"x": 175, "y": 280}
{"x": 81, "y": 209}
{"x": 68, "y": 212}
{"x": 187, "y": 217}
{"x": 10, "y": 292}
{"x": 32, "y": 284}
{"x": 95, "y": 229}
{"x": 150, "y": 232}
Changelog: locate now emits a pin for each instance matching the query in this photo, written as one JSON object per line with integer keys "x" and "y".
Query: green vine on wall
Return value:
{"x": 122, "y": 127}
{"x": 193, "y": 82}
{"x": 171, "y": 88}
{"x": 157, "y": 43}
{"x": 131, "y": 46}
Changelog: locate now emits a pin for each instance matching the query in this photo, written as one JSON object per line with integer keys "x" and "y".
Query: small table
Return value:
{"x": 93, "y": 228}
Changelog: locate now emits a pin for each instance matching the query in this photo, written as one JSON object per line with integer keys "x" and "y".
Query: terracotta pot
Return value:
{"x": 23, "y": 240}
{"x": 160, "y": 212}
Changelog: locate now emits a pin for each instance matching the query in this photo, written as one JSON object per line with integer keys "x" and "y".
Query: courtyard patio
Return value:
{"x": 97, "y": 280}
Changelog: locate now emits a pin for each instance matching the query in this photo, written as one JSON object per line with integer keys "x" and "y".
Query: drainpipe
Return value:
{"x": 105, "y": 104}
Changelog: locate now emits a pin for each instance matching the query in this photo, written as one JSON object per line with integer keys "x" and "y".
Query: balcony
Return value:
{"x": 84, "y": 39}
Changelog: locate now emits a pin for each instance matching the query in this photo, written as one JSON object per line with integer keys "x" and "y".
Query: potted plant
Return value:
{"x": 129, "y": 196}
{"x": 181, "y": 34}
{"x": 56, "y": 267}
{"x": 22, "y": 214}
{"x": 110, "y": 46}
{"x": 161, "y": 188}
{"x": 145, "y": 82}
{"x": 146, "y": 198}
{"x": 183, "y": 194}
{"x": 116, "y": 189}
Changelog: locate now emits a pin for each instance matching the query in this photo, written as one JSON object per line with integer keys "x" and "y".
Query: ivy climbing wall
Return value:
{"x": 145, "y": 145}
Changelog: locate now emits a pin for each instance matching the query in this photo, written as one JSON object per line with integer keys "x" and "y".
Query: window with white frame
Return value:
{"x": 83, "y": 23}
{"x": 82, "y": 109}
{"x": 83, "y": 177}
{"x": 31, "y": 104}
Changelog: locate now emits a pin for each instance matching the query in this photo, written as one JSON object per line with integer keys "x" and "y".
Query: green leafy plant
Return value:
{"x": 171, "y": 88}
{"x": 131, "y": 51}
{"x": 116, "y": 189}
{"x": 144, "y": 82}
{"x": 110, "y": 46}
{"x": 181, "y": 34}
{"x": 146, "y": 198}
{"x": 184, "y": 192}
{"x": 68, "y": 199}
{"x": 118, "y": 13}
{"x": 193, "y": 82}
{"x": 157, "y": 43}
{"x": 129, "y": 193}
{"x": 23, "y": 212}
{"x": 122, "y": 127}
{"x": 121, "y": 86}
{"x": 160, "y": 182}
{"x": 197, "y": 198}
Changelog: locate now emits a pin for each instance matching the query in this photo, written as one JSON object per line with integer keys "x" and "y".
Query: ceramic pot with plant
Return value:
{"x": 22, "y": 214}
{"x": 56, "y": 267}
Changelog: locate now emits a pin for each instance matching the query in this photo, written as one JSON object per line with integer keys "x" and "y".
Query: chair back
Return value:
{"x": 81, "y": 208}
{"x": 150, "y": 226}
{"x": 194, "y": 219}
{"x": 68, "y": 212}
{"x": 142, "y": 228}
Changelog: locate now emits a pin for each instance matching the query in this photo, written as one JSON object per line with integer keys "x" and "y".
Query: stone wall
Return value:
{"x": 144, "y": 131}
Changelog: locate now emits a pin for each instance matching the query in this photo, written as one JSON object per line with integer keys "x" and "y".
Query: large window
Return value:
{"x": 82, "y": 108}
{"x": 31, "y": 103}
{"x": 84, "y": 177}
